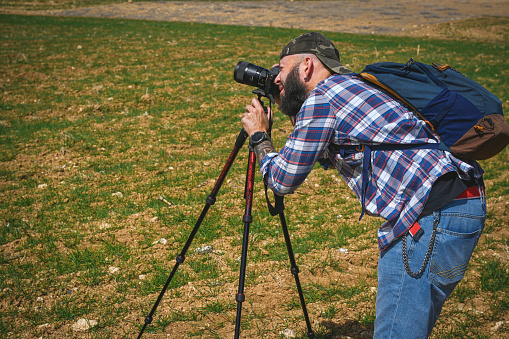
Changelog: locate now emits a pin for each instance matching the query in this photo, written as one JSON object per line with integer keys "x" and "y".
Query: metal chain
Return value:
{"x": 428, "y": 252}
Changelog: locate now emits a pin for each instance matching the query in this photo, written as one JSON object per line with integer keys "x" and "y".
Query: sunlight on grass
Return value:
{"x": 98, "y": 118}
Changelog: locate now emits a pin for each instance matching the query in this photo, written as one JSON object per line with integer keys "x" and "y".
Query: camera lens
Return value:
{"x": 250, "y": 74}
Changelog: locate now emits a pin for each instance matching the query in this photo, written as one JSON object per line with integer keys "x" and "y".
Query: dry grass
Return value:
{"x": 98, "y": 118}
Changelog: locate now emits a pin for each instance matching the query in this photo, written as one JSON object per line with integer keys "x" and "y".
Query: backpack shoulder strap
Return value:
{"x": 345, "y": 150}
{"x": 373, "y": 80}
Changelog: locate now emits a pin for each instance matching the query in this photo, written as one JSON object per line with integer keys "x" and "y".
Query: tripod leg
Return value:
{"x": 211, "y": 199}
{"x": 295, "y": 272}
{"x": 247, "y": 219}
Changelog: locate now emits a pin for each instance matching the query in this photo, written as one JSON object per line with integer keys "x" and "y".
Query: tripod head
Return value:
{"x": 261, "y": 93}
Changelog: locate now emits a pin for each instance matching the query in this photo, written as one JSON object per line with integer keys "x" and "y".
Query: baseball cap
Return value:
{"x": 319, "y": 45}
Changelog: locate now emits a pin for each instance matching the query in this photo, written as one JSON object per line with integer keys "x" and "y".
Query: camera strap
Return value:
{"x": 279, "y": 204}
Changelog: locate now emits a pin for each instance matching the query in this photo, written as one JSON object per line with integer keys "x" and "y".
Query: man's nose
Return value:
{"x": 277, "y": 81}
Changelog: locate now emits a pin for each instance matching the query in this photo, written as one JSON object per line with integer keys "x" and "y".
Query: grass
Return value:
{"x": 98, "y": 118}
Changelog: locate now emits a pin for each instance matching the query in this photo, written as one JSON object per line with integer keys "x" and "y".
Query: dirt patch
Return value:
{"x": 402, "y": 18}
{"x": 272, "y": 306}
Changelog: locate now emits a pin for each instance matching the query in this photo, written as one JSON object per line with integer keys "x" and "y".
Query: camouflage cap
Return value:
{"x": 319, "y": 45}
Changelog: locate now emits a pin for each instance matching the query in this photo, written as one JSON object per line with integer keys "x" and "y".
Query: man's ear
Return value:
{"x": 307, "y": 68}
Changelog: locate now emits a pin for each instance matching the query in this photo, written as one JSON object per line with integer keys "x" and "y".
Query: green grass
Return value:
{"x": 98, "y": 118}
{"x": 494, "y": 277}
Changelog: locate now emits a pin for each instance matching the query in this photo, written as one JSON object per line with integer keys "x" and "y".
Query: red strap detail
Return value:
{"x": 471, "y": 192}
{"x": 414, "y": 228}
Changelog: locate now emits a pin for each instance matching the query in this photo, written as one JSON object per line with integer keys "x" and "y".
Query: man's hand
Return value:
{"x": 255, "y": 119}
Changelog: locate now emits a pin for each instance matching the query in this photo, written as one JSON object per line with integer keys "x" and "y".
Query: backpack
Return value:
{"x": 467, "y": 117}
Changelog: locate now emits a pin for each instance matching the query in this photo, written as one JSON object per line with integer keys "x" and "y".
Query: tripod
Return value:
{"x": 247, "y": 219}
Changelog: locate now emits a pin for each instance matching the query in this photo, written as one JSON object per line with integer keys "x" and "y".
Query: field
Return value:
{"x": 101, "y": 117}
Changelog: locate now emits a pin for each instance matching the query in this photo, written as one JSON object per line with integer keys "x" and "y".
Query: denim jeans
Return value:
{"x": 408, "y": 307}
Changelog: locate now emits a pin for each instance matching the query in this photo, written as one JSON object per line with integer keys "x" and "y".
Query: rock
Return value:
{"x": 287, "y": 333}
{"x": 160, "y": 241}
{"x": 498, "y": 326}
{"x": 113, "y": 269}
{"x": 83, "y": 325}
{"x": 117, "y": 194}
{"x": 204, "y": 250}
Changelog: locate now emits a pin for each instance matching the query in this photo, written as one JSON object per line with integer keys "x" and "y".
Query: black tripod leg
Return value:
{"x": 247, "y": 219}
{"x": 211, "y": 199}
{"x": 295, "y": 272}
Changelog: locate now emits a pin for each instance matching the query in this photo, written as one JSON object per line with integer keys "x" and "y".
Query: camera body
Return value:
{"x": 252, "y": 75}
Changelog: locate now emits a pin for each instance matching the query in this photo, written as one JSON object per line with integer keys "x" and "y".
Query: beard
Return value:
{"x": 295, "y": 94}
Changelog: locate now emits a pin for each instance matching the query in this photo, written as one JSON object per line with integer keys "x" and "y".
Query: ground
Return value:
{"x": 402, "y": 18}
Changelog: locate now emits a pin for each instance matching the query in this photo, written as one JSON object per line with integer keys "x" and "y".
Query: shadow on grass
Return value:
{"x": 349, "y": 328}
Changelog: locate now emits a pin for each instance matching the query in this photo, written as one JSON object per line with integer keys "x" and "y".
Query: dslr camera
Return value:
{"x": 252, "y": 75}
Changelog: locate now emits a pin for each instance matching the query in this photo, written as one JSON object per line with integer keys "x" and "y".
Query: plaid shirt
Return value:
{"x": 344, "y": 110}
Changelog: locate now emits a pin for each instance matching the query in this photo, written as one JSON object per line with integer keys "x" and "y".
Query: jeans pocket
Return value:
{"x": 450, "y": 257}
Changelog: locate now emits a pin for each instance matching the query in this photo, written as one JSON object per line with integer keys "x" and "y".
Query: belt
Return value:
{"x": 472, "y": 192}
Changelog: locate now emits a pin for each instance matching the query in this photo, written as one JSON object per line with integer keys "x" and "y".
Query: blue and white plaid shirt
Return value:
{"x": 344, "y": 110}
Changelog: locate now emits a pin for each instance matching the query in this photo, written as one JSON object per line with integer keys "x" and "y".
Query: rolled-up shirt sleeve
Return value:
{"x": 285, "y": 171}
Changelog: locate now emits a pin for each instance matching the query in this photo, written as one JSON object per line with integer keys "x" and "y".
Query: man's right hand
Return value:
{"x": 255, "y": 119}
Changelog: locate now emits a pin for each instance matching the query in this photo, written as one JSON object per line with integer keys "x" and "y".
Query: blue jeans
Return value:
{"x": 408, "y": 307}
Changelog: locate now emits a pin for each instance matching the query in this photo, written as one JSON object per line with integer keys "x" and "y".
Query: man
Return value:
{"x": 432, "y": 202}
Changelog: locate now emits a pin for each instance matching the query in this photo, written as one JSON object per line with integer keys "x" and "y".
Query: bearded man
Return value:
{"x": 432, "y": 203}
